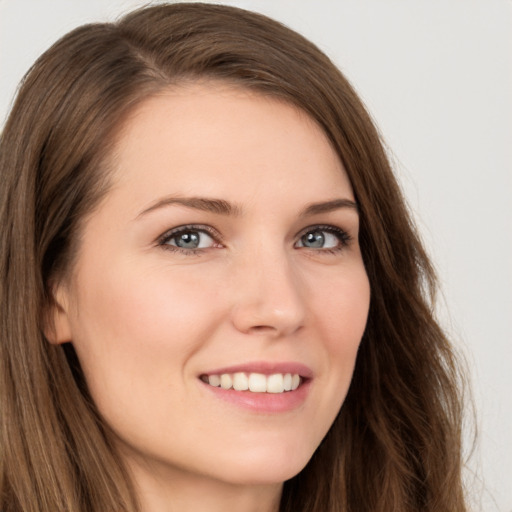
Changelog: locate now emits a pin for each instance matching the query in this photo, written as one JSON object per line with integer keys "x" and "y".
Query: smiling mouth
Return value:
{"x": 255, "y": 382}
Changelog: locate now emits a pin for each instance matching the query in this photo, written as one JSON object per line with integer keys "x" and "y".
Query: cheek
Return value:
{"x": 134, "y": 326}
{"x": 342, "y": 307}
{"x": 342, "y": 313}
{"x": 142, "y": 307}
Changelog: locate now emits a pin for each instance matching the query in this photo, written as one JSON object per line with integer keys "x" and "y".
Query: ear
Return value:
{"x": 57, "y": 328}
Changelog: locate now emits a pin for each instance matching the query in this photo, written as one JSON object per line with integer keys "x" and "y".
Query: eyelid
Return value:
{"x": 170, "y": 233}
{"x": 342, "y": 234}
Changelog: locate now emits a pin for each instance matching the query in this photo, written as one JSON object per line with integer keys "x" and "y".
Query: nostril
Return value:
{"x": 262, "y": 328}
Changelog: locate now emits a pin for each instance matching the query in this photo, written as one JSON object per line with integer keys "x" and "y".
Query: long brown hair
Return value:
{"x": 396, "y": 443}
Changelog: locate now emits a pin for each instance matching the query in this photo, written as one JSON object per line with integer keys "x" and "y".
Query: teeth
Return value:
{"x": 226, "y": 382}
{"x": 214, "y": 380}
{"x": 275, "y": 383}
{"x": 240, "y": 382}
{"x": 255, "y": 382}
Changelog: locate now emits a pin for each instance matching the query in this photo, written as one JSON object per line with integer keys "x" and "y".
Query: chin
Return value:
{"x": 264, "y": 469}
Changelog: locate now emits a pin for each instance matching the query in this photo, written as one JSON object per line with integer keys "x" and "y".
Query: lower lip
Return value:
{"x": 263, "y": 402}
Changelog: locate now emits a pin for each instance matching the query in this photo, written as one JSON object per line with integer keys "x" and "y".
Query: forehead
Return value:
{"x": 215, "y": 137}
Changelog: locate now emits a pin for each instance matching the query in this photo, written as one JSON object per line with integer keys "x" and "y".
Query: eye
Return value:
{"x": 188, "y": 238}
{"x": 324, "y": 237}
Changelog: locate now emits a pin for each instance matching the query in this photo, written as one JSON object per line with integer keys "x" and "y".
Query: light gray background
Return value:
{"x": 437, "y": 77}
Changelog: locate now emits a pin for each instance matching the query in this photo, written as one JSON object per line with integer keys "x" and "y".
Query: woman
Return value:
{"x": 212, "y": 294}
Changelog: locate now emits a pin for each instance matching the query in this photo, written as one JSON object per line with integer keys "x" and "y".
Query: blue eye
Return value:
{"x": 324, "y": 237}
{"x": 188, "y": 238}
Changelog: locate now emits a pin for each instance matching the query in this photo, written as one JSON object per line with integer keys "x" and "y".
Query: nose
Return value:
{"x": 269, "y": 296}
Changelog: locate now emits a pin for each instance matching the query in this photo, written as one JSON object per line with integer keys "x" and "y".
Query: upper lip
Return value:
{"x": 266, "y": 368}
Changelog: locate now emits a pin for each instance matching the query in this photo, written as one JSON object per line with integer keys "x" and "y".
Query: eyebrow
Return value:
{"x": 222, "y": 207}
{"x": 328, "y": 206}
{"x": 218, "y": 206}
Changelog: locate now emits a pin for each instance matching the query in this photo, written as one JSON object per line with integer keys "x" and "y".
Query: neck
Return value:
{"x": 170, "y": 490}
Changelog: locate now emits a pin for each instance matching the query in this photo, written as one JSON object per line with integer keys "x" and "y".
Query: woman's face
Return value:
{"x": 225, "y": 252}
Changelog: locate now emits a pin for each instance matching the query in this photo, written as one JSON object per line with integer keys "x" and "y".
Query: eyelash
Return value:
{"x": 173, "y": 233}
{"x": 343, "y": 237}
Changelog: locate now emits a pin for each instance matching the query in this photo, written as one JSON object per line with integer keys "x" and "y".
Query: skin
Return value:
{"x": 148, "y": 320}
